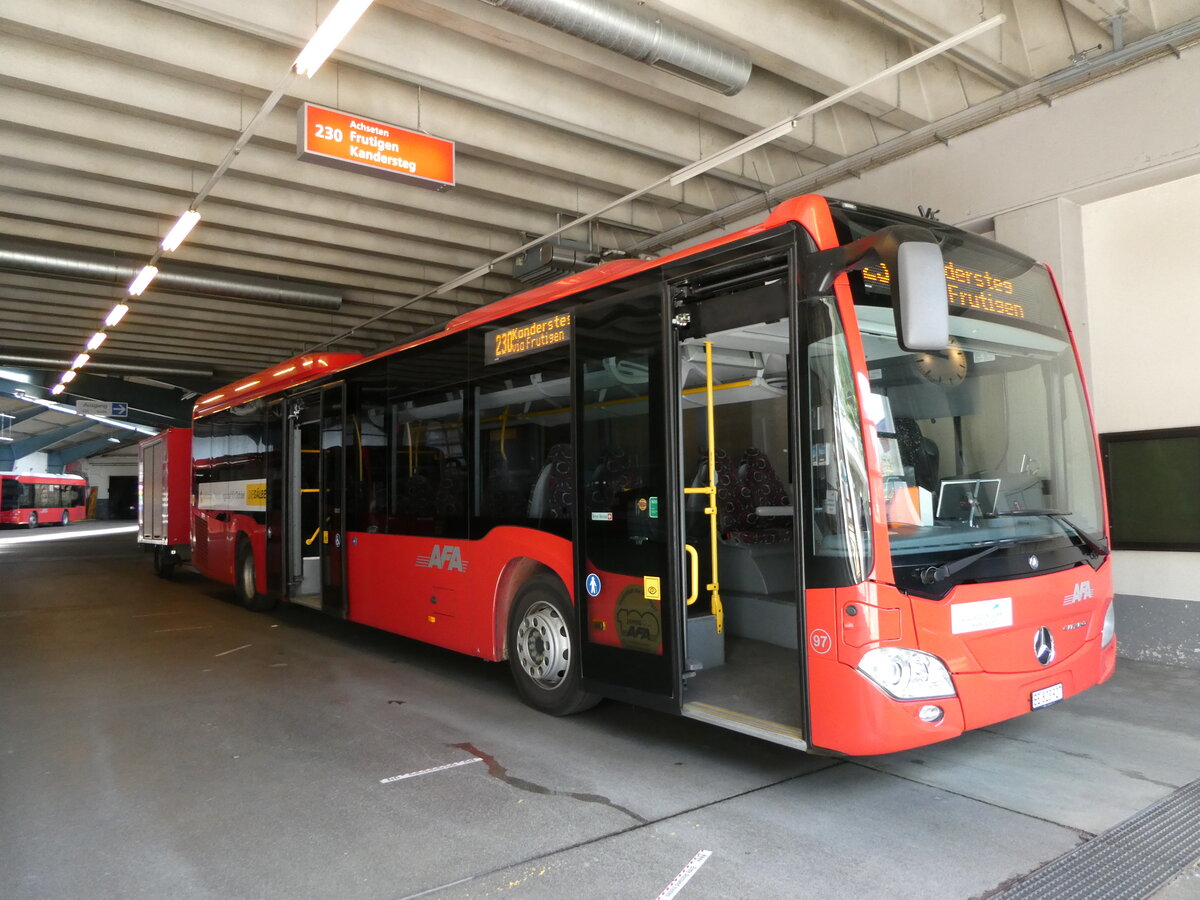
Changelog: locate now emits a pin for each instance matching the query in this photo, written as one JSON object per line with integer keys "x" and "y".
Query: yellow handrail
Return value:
{"x": 695, "y": 558}
{"x": 714, "y": 588}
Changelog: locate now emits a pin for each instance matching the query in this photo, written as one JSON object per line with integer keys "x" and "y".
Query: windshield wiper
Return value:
{"x": 934, "y": 574}
{"x": 1059, "y": 516}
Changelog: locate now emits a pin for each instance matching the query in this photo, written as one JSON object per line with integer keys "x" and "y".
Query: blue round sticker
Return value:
{"x": 592, "y": 583}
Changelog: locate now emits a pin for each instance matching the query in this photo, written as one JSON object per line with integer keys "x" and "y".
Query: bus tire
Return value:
{"x": 33, "y": 520}
{"x": 246, "y": 580}
{"x": 543, "y": 649}
{"x": 66, "y": 518}
{"x": 164, "y": 562}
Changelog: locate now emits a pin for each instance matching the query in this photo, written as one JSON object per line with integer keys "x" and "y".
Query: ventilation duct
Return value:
{"x": 65, "y": 261}
{"x": 670, "y": 47}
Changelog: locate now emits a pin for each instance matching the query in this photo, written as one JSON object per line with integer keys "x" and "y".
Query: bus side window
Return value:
{"x": 521, "y": 417}
{"x": 429, "y": 465}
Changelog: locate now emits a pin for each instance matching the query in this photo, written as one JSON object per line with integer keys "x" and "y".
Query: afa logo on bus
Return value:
{"x": 446, "y": 557}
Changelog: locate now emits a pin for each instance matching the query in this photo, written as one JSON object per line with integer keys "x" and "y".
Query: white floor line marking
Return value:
{"x": 685, "y": 876}
{"x": 234, "y": 650}
{"x": 178, "y": 612}
{"x": 453, "y": 765}
{"x": 184, "y": 628}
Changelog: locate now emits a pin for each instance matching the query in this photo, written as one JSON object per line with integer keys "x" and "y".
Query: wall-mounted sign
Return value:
{"x": 102, "y": 408}
{"x": 507, "y": 343}
{"x": 333, "y": 138}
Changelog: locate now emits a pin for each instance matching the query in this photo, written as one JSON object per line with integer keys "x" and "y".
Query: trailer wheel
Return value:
{"x": 543, "y": 649}
{"x": 164, "y": 562}
{"x": 246, "y": 580}
{"x": 33, "y": 520}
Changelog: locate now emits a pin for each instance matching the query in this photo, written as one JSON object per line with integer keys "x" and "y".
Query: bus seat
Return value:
{"x": 554, "y": 491}
{"x": 920, "y": 452}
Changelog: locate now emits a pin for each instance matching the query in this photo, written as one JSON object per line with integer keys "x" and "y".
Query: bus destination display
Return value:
{"x": 967, "y": 287}
{"x": 519, "y": 340}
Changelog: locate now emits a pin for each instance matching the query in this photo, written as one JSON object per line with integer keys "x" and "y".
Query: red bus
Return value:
{"x": 831, "y": 480}
{"x": 33, "y": 499}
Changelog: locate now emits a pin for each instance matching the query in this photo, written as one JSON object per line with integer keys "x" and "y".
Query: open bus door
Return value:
{"x": 625, "y": 546}
{"x": 315, "y": 499}
{"x": 740, "y": 466}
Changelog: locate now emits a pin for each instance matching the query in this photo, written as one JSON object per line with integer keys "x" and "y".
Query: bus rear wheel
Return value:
{"x": 66, "y": 518}
{"x": 246, "y": 581}
{"x": 33, "y": 520}
{"x": 543, "y": 649}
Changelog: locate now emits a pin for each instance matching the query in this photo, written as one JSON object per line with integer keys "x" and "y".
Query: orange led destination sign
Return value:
{"x": 334, "y": 138}
{"x": 508, "y": 343}
{"x": 970, "y": 288}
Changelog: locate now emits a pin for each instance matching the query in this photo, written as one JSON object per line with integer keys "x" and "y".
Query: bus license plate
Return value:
{"x": 1046, "y": 696}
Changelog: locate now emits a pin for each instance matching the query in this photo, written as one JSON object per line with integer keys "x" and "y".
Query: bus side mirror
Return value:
{"x": 919, "y": 299}
{"x": 913, "y": 260}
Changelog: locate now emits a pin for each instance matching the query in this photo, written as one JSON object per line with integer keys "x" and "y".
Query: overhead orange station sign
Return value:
{"x": 334, "y": 138}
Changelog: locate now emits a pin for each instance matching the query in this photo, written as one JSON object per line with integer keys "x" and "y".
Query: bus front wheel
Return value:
{"x": 247, "y": 581}
{"x": 543, "y": 649}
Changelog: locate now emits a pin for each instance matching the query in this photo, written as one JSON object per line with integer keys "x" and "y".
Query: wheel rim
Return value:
{"x": 66, "y": 518}
{"x": 248, "y": 586}
{"x": 544, "y": 645}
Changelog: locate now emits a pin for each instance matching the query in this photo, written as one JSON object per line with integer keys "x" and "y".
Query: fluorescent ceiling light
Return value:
{"x": 113, "y": 440}
{"x": 81, "y": 360}
{"x": 116, "y": 315}
{"x": 96, "y": 340}
{"x": 143, "y": 279}
{"x": 58, "y": 389}
{"x": 180, "y": 230}
{"x": 68, "y": 376}
{"x": 335, "y": 27}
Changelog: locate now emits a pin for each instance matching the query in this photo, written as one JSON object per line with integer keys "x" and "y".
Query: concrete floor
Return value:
{"x": 158, "y": 741}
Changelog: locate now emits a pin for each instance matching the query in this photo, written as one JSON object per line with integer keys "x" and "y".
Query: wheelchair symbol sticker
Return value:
{"x": 592, "y": 584}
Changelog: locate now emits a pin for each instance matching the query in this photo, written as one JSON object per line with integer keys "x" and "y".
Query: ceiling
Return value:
{"x": 113, "y": 114}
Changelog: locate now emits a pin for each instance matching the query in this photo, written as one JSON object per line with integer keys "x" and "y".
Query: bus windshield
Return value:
{"x": 986, "y": 446}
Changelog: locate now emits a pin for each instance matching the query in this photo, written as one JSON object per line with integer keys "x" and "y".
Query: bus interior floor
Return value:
{"x": 758, "y": 679}
{"x": 158, "y": 740}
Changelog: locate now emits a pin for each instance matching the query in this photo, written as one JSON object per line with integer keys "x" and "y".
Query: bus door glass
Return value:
{"x": 315, "y": 507}
{"x": 624, "y": 553}
{"x": 742, "y": 666}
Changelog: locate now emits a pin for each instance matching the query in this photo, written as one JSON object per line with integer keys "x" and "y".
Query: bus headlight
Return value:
{"x": 1109, "y": 630}
{"x": 907, "y": 674}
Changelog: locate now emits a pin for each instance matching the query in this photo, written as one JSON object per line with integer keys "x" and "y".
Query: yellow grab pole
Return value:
{"x": 714, "y": 588}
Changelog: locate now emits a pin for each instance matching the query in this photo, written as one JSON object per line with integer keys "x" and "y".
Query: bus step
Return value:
{"x": 775, "y": 732}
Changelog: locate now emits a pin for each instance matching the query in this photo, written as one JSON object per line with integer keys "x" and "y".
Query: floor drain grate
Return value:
{"x": 1128, "y": 861}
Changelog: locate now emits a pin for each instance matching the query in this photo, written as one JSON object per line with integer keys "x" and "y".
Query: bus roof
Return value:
{"x": 810, "y": 210}
{"x": 42, "y": 476}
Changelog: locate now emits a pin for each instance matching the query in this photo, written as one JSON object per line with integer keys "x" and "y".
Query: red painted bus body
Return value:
{"x": 714, "y": 483}
{"x": 33, "y": 499}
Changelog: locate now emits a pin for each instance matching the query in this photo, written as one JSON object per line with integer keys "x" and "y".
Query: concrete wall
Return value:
{"x": 1141, "y": 252}
{"x": 99, "y": 470}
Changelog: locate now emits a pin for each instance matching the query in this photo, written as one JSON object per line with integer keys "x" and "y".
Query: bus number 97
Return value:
{"x": 328, "y": 133}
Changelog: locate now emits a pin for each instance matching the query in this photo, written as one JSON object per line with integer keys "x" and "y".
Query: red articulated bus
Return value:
{"x": 831, "y": 480}
{"x": 33, "y": 499}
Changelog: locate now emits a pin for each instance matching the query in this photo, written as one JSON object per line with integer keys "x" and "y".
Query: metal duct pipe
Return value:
{"x": 101, "y": 364}
{"x": 670, "y": 47}
{"x": 65, "y": 261}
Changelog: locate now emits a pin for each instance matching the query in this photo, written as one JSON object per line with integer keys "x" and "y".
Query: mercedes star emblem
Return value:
{"x": 1043, "y": 646}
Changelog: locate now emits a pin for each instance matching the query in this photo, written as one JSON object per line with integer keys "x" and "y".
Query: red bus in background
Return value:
{"x": 831, "y": 481}
{"x": 34, "y": 499}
